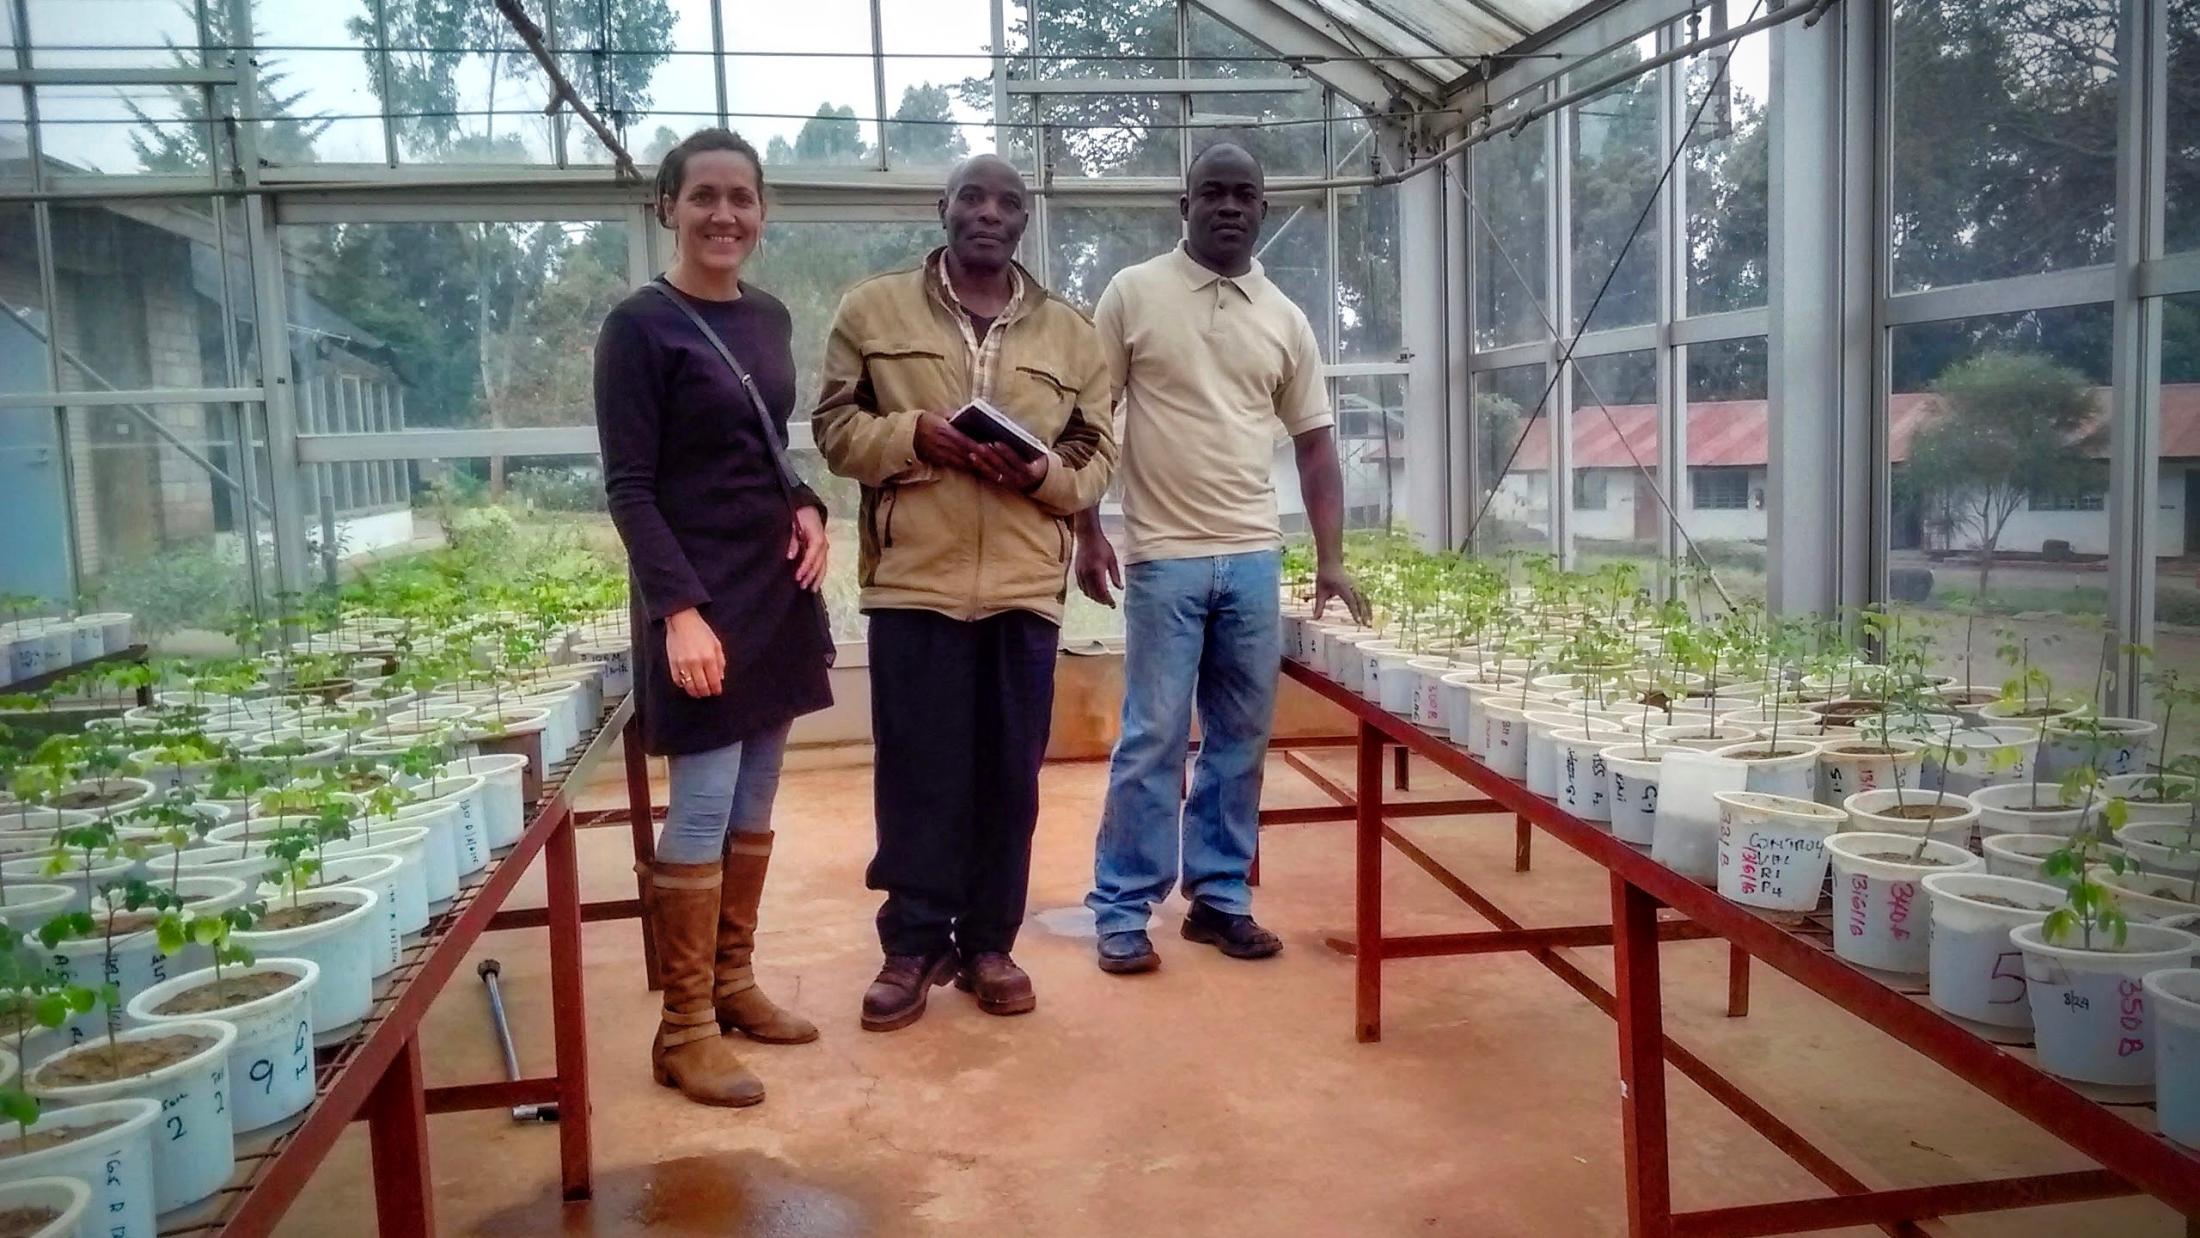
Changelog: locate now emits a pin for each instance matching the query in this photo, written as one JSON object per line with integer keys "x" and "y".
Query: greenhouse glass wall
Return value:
{"x": 1818, "y": 303}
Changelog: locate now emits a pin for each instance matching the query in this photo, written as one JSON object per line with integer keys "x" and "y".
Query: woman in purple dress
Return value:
{"x": 724, "y": 557}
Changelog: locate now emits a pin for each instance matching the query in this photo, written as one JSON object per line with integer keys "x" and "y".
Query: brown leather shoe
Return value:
{"x": 896, "y": 998}
{"x": 742, "y": 1006}
{"x": 1000, "y": 986}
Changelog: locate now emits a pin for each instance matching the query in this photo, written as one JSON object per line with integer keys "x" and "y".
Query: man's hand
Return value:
{"x": 697, "y": 661}
{"x": 1332, "y": 581}
{"x": 807, "y": 548}
{"x": 1097, "y": 567}
{"x": 942, "y": 446}
{"x": 1003, "y": 467}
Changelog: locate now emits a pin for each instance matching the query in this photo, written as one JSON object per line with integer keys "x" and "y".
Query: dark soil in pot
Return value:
{"x": 1996, "y": 900}
{"x": 227, "y": 993}
{"x": 25, "y": 1222}
{"x": 17, "y": 1144}
{"x": 1848, "y": 709}
{"x": 1867, "y": 750}
{"x": 2040, "y": 808}
{"x": 93, "y": 799}
{"x": 1911, "y": 859}
{"x": 1764, "y": 754}
{"x": 1921, "y": 812}
{"x": 289, "y": 917}
{"x": 125, "y": 1059}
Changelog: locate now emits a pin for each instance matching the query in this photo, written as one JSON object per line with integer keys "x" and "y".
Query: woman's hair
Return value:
{"x": 672, "y": 169}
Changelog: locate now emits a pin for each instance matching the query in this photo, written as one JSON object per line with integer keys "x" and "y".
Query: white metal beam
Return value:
{"x": 1299, "y": 28}
{"x": 1421, "y": 277}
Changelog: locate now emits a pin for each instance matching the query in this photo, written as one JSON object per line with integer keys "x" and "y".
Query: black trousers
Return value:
{"x": 959, "y": 715}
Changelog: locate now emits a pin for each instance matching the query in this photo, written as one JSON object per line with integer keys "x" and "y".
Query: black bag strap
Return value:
{"x": 789, "y": 480}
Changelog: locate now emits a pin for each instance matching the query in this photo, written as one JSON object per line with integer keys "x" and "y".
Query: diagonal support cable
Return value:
{"x": 1650, "y": 203}
{"x": 622, "y": 163}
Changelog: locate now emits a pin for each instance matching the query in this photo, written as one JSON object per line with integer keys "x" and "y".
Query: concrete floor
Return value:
{"x": 1210, "y": 1098}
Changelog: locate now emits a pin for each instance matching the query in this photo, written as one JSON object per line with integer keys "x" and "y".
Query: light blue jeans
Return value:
{"x": 724, "y": 788}
{"x": 1202, "y": 633}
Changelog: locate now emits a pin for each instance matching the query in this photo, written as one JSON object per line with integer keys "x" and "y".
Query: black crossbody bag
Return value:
{"x": 789, "y": 480}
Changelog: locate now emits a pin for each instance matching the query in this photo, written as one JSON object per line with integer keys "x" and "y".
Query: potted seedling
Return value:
{"x": 2115, "y": 746}
{"x": 331, "y": 926}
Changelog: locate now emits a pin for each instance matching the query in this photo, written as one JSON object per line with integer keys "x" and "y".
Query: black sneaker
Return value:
{"x": 1234, "y": 935}
{"x": 1127, "y": 952}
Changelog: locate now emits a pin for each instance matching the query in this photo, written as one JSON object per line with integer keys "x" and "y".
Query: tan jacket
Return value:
{"x": 941, "y": 539}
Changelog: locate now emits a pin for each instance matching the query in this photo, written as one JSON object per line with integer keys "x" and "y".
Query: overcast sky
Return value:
{"x": 306, "y": 40}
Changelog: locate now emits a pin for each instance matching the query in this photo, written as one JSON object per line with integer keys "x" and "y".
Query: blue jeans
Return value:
{"x": 724, "y": 788}
{"x": 1202, "y": 632}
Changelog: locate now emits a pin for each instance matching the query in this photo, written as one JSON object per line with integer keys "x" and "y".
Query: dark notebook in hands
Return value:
{"x": 983, "y": 423}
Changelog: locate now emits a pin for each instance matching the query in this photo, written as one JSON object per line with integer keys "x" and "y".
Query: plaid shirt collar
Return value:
{"x": 984, "y": 354}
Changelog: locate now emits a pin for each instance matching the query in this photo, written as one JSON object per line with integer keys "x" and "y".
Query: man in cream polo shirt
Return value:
{"x": 1210, "y": 364}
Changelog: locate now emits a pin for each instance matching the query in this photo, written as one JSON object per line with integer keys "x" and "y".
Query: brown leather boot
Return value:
{"x": 688, "y": 1053}
{"x": 741, "y": 1005}
{"x": 1000, "y": 986}
{"x": 896, "y": 998}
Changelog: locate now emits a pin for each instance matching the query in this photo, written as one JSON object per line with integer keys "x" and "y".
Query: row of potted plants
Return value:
{"x": 196, "y": 893}
{"x": 33, "y": 645}
{"x": 2036, "y": 859}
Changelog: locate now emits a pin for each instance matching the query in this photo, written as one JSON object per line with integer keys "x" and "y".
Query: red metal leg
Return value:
{"x": 1737, "y": 982}
{"x": 569, "y": 1012}
{"x": 640, "y": 818}
{"x": 1398, "y": 768}
{"x": 1368, "y": 882}
{"x": 1641, "y": 1060}
{"x": 1523, "y": 843}
{"x": 397, "y": 1137}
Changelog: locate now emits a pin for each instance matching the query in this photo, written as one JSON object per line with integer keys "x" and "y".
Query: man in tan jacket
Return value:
{"x": 964, "y": 563}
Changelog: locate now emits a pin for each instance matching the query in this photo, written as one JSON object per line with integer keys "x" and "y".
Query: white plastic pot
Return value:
{"x": 193, "y": 1145}
{"x": 1463, "y": 692}
{"x": 1426, "y": 674}
{"x": 271, "y": 1061}
{"x": 2028, "y": 808}
{"x": 30, "y": 904}
{"x": 2162, "y": 848}
{"x": 1505, "y": 736}
{"x": 1974, "y": 971}
{"x": 2145, "y": 896}
{"x": 116, "y": 1163}
{"x": 1772, "y": 849}
{"x": 67, "y": 1198}
{"x": 1874, "y": 811}
{"x": 2173, "y": 1005}
{"x": 618, "y": 656}
{"x": 1543, "y": 756}
{"x": 343, "y": 946}
{"x": 1793, "y": 772}
{"x": 1341, "y": 650}
{"x": 1584, "y": 785}
{"x": 1632, "y": 771}
{"x": 383, "y": 875}
{"x": 243, "y": 861}
{"x": 2089, "y": 1019}
{"x": 117, "y": 629}
{"x": 462, "y": 798}
{"x": 2120, "y": 749}
{"x": 2021, "y": 855}
{"x": 410, "y": 844}
{"x": 1703, "y": 737}
{"x": 503, "y": 795}
{"x": 85, "y": 883}
{"x": 2034, "y": 712}
{"x": 562, "y": 721}
{"x": 1389, "y": 683}
{"x": 2169, "y": 797}
{"x": 21, "y": 818}
{"x": 1687, "y": 837}
{"x": 1846, "y": 767}
{"x": 1880, "y": 911}
{"x": 1976, "y": 757}
{"x": 127, "y": 793}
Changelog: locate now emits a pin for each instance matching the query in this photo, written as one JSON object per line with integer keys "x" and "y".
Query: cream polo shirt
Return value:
{"x": 1209, "y": 372}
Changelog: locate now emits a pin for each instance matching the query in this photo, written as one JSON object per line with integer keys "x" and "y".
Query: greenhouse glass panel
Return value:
{"x": 1369, "y": 300}
{"x": 1121, "y": 40}
{"x": 809, "y": 266}
{"x": 1616, "y": 164}
{"x": 1115, "y": 135}
{"x": 1371, "y": 450}
{"x": 118, "y": 34}
{"x": 1726, "y": 427}
{"x": 470, "y": 106}
{"x": 121, "y": 129}
{"x": 140, "y": 288}
{"x": 467, "y": 324}
{"x": 320, "y": 98}
{"x": 939, "y": 81}
{"x": 1727, "y": 169}
{"x": 810, "y": 106}
{"x": 2182, "y": 211}
{"x": 1282, "y": 130}
{"x": 2003, "y": 131}
{"x": 1508, "y": 218}
{"x": 1088, "y": 244}
{"x": 1997, "y": 443}
{"x": 1613, "y": 441}
{"x": 1294, "y": 254}
{"x": 647, "y": 69}
{"x": 2176, "y": 460}
{"x": 1514, "y": 509}
{"x": 15, "y": 139}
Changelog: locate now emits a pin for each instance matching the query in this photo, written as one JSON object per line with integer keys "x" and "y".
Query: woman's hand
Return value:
{"x": 807, "y": 548}
{"x": 698, "y": 662}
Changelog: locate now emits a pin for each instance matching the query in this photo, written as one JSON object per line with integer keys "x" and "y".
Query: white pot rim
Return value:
{"x": 1964, "y": 886}
{"x": 362, "y": 902}
{"x": 496, "y": 763}
{"x": 132, "y": 1113}
{"x": 1875, "y": 802}
{"x": 224, "y": 1034}
{"x": 1790, "y": 751}
{"x": 1782, "y": 807}
{"x": 2177, "y": 989}
{"x": 1847, "y": 849}
{"x": 47, "y": 896}
{"x": 1644, "y": 761}
{"x": 306, "y": 970}
{"x": 2009, "y": 795}
{"x": 2143, "y": 943}
{"x": 1831, "y": 749}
